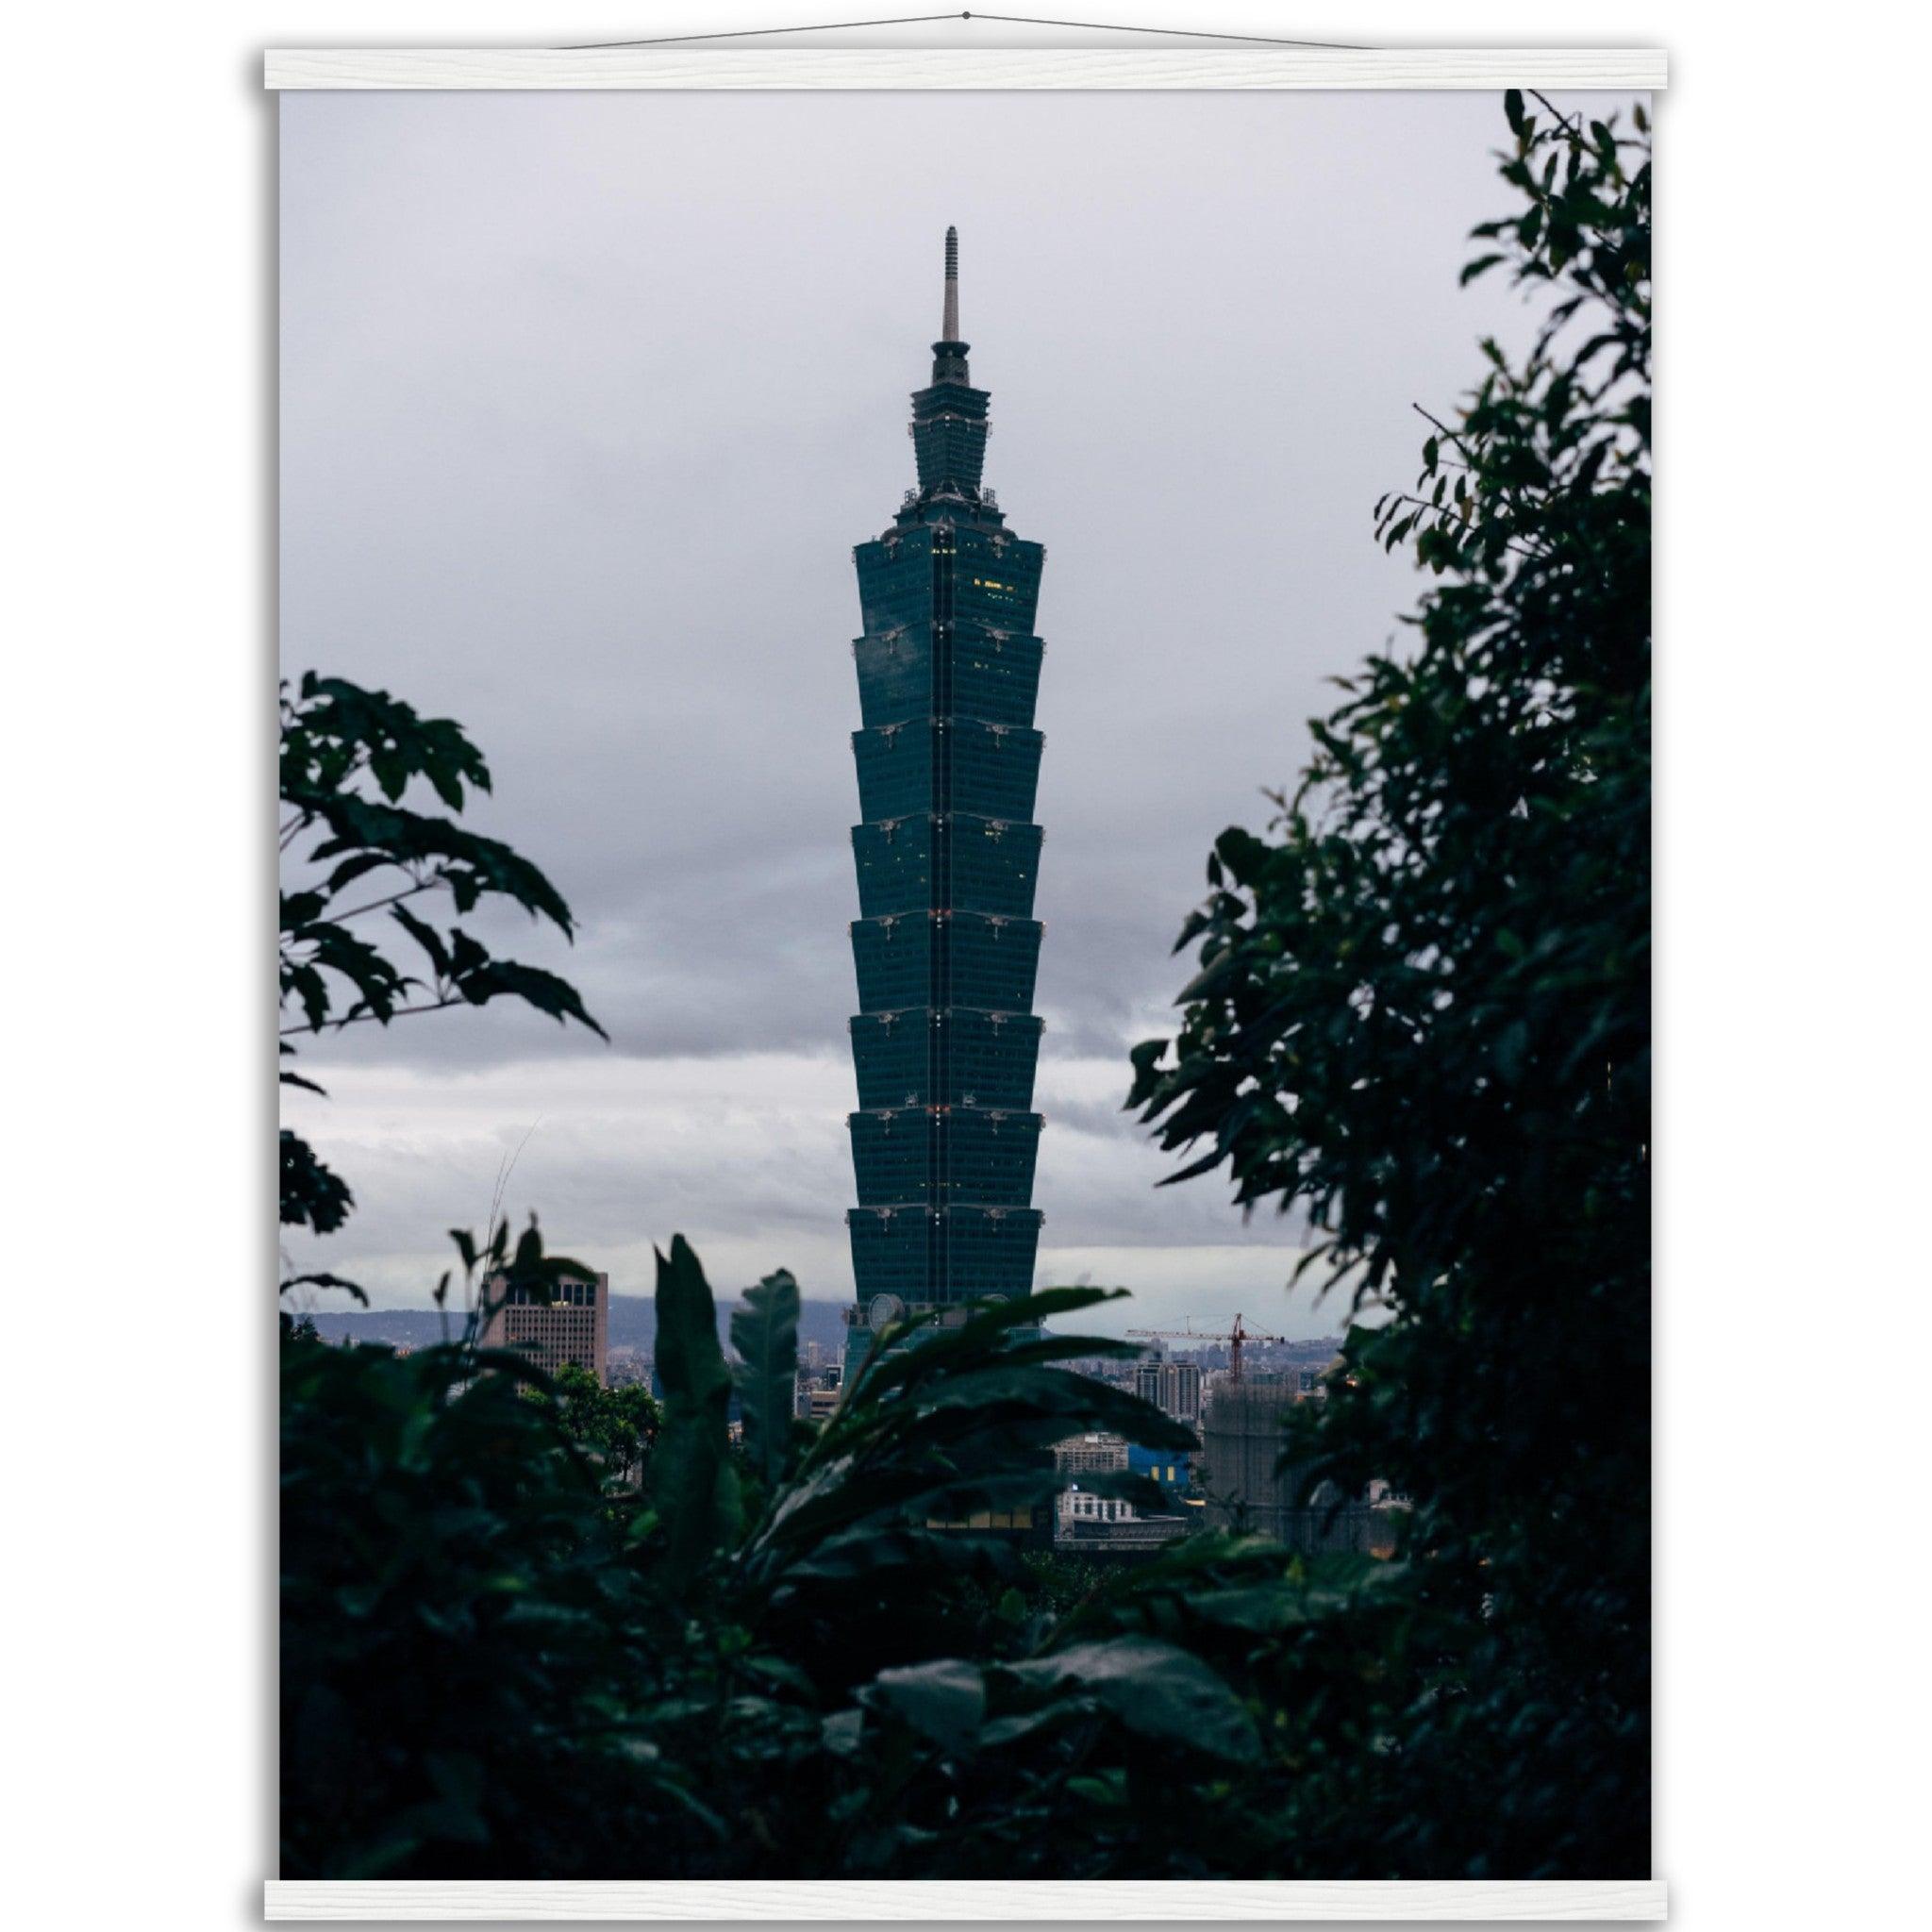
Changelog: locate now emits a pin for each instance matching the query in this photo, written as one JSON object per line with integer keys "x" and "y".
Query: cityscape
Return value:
{"x": 944, "y": 1045}
{"x": 1231, "y": 1397}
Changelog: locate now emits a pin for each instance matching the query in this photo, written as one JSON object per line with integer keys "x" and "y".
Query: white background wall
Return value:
{"x": 138, "y": 156}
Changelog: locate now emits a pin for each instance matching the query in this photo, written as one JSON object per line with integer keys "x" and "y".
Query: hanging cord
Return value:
{"x": 1095, "y": 27}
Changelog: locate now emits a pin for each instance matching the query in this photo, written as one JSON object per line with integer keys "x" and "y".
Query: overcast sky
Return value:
{"x": 586, "y": 399}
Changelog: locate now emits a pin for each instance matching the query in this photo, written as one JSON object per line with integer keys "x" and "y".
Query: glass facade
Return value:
{"x": 947, "y": 857}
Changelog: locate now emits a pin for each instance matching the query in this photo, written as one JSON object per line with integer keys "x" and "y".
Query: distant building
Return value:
{"x": 1173, "y": 1387}
{"x": 1100, "y": 1368}
{"x": 1169, "y": 1468}
{"x": 1086, "y": 1525}
{"x": 816, "y": 1393}
{"x": 1028, "y": 1524}
{"x": 625, "y": 1365}
{"x": 1090, "y": 1455}
{"x": 1246, "y": 1488}
{"x": 1096, "y": 1454}
{"x": 1110, "y": 1525}
{"x": 1081, "y": 1505}
{"x": 572, "y": 1327}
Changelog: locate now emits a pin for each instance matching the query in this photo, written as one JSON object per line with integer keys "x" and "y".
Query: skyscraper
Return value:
{"x": 572, "y": 1327}
{"x": 1172, "y": 1385}
{"x": 946, "y": 945}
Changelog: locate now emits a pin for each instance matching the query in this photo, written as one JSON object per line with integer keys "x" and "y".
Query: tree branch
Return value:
{"x": 1455, "y": 436}
{"x": 1574, "y": 129}
{"x": 376, "y": 905}
{"x": 1443, "y": 510}
{"x": 398, "y": 1014}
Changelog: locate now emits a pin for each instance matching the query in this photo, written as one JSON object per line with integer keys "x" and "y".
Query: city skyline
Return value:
{"x": 580, "y": 467}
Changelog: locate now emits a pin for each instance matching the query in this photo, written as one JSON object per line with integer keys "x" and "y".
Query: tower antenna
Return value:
{"x": 949, "y": 328}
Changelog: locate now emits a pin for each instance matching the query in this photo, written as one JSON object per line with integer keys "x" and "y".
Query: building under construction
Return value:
{"x": 1242, "y": 1442}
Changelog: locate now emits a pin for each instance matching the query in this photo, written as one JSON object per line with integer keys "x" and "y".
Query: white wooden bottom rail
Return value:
{"x": 562, "y": 1899}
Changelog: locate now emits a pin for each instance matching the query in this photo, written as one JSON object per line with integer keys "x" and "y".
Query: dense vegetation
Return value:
{"x": 519, "y": 1644}
{"x": 1423, "y": 1014}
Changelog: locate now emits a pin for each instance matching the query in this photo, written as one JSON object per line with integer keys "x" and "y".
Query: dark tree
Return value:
{"x": 348, "y": 759}
{"x": 1423, "y": 1018}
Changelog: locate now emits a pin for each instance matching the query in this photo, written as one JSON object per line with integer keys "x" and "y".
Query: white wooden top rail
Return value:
{"x": 1626, "y": 70}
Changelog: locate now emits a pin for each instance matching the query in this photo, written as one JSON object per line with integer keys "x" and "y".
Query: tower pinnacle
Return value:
{"x": 949, "y": 352}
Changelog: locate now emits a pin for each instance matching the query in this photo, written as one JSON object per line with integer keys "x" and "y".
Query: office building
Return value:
{"x": 1173, "y": 1387}
{"x": 572, "y": 1327}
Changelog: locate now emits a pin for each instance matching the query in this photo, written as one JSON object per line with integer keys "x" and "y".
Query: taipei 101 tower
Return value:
{"x": 945, "y": 1039}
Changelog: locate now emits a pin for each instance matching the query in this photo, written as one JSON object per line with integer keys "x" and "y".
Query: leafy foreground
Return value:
{"x": 500, "y": 1661}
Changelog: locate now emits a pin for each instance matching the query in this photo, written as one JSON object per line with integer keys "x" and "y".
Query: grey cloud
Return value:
{"x": 586, "y": 398}
{"x": 746, "y": 1155}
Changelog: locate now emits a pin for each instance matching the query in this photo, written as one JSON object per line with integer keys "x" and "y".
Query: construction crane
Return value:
{"x": 1236, "y": 1338}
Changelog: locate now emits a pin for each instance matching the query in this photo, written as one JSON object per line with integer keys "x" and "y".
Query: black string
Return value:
{"x": 1186, "y": 32}
{"x": 751, "y": 33}
{"x": 829, "y": 26}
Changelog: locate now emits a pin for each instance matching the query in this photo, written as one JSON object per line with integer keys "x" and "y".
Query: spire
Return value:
{"x": 949, "y": 417}
{"x": 949, "y": 352}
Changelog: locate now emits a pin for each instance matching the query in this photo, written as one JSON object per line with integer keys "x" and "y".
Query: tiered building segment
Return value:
{"x": 946, "y": 945}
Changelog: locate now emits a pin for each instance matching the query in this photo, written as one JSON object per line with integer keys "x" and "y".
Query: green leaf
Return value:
{"x": 425, "y": 935}
{"x": 321, "y": 1279}
{"x": 694, "y": 1486}
{"x": 312, "y": 1193}
{"x": 765, "y": 1334}
{"x": 945, "y": 1700}
{"x": 1153, "y": 1687}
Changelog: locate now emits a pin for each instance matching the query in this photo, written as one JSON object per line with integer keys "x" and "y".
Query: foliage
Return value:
{"x": 765, "y": 1334}
{"x": 348, "y": 757}
{"x": 489, "y": 1669}
{"x": 615, "y": 1426}
{"x": 447, "y": 1629}
{"x": 1423, "y": 1016}
{"x": 693, "y": 1481}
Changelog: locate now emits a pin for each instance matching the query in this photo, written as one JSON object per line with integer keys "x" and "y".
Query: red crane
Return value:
{"x": 1236, "y": 1338}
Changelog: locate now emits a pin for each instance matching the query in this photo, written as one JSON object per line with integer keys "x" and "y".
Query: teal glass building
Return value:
{"x": 946, "y": 945}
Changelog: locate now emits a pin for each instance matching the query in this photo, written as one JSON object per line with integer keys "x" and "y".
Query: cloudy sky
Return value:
{"x": 586, "y": 399}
